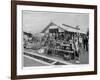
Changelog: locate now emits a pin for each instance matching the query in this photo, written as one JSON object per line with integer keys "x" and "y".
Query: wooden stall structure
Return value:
{"x": 61, "y": 40}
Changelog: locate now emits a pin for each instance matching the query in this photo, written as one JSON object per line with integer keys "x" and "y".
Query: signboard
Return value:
{"x": 53, "y": 30}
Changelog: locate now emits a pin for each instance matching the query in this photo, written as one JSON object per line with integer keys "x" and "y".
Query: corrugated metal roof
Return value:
{"x": 72, "y": 29}
{"x": 64, "y": 27}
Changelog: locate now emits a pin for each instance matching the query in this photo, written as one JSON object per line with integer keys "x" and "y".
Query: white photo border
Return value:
{"x": 54, "y": 69}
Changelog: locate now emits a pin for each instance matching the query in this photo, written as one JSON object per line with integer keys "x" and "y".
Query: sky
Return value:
{"x": 36, "y": 21}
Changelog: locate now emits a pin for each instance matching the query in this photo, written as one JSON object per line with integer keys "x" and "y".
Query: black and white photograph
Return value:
{"x": 54, "y": 38}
